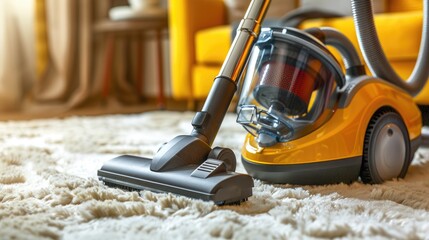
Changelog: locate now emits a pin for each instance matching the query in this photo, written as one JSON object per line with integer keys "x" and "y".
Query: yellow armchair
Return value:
{"x": 187, "y": 18}
{"x": 200, "y": 39}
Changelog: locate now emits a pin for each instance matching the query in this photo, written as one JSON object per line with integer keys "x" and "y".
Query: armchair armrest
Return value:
{"x": 186, "y": 17}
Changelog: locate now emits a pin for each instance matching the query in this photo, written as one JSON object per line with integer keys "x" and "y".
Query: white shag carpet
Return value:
{"x": 49, "y": 189}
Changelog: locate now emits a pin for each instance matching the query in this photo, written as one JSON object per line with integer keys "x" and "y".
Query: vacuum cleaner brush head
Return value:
{"x": 209, "y": 181}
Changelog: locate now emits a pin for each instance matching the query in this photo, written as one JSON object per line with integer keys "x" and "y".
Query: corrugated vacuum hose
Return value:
{"x": 374, "y": 54}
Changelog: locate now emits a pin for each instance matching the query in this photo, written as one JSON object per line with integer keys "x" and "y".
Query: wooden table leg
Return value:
{"x": 161, "y": 98}
{"x": 140, "y": 64}
{"x": 108, "y": 64}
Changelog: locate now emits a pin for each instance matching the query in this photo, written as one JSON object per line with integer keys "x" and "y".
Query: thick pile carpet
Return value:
{"x": 49, "y": 189}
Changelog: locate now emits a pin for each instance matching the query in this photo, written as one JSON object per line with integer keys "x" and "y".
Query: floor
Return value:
{"x": 109, "y": 107}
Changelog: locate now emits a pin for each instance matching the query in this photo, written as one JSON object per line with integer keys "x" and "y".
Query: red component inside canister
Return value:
{"x": 287, "y": 87}
{"x": 290, "y": 78}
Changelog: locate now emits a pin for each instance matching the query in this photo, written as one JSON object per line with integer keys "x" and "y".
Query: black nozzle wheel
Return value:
{"x": 226, "y": 155}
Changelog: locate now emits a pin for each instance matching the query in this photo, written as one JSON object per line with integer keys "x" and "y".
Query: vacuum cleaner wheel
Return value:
{"x": 386, "y": 153}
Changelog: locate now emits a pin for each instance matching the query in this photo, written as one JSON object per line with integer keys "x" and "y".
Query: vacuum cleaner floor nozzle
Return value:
{"x": 221, "y": 187}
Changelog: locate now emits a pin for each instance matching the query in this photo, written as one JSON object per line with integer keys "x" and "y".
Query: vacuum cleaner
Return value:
{"x": 308, "y": 120}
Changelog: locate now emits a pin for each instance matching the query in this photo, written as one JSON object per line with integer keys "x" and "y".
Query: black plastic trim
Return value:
{"x": 417, "y": 142}
{"x": 353, "y": 87}
{"x": 355, "y": 71}
{"x": 326, "y": 172}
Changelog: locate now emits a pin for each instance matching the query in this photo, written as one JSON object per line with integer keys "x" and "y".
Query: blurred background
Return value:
{"x": 83, "y": 57}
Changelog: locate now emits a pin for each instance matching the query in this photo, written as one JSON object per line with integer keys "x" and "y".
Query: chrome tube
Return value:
{"x": 247, "y": 33}
{"x": 207, "y": 122}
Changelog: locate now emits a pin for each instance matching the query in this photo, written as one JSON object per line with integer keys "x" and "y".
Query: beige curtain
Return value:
{"x": 53, "y": 82}
{"x": 11, "y": 64}
{"x": 66, "y": 76}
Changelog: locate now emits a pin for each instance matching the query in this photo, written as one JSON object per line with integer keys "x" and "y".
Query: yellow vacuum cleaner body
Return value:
{"x": 310, "y": 123}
